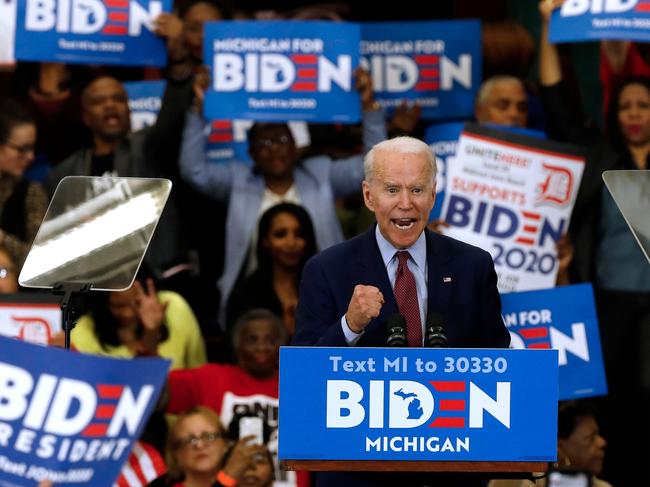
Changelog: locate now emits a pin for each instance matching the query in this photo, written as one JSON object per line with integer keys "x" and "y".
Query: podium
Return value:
{"x": 417, "y": 409}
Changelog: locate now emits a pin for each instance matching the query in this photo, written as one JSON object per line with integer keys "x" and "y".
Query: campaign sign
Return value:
{"x": 436, "y": 64}
{"x": 282, "y": 70}
{"x": 228, "y": 141}
{"x": 418, "y": 404}
{"x": 512, "y": 196}
{"x": 145, "y": 100}
{"x": 70, "y": 417}
{"x": 563, "y": 318}
{"x": 91, "y": 31}
{"x": 588, "y": 20}
{"x": 32, "y": 317}
{"x": 443, "y": 140}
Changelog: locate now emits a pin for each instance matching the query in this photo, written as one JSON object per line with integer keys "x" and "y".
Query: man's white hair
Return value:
{"x": 400, "y": 145}
{"x": 485, "y": 90}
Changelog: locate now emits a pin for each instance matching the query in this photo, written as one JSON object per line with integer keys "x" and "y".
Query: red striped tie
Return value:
{"x": 406, "y": 295}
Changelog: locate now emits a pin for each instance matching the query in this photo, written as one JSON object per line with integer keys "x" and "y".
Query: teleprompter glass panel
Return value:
{"x": 96, "y": 231}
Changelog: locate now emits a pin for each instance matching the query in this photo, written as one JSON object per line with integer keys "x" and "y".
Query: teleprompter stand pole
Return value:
{"x": 69, "y": 289}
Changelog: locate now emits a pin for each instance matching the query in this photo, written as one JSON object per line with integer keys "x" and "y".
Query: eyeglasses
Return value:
{"x": 268, "y": 143}
{"x": 22, "y": 149}
{"x": 5, "y": 271}
{"x": 194, "y": 440}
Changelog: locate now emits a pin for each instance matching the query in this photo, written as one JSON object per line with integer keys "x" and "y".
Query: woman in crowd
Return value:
{"x": 199, "y": 454}
{"x": 141, "y": 322}
{"x": 22, "y": 202}
{"x": 606, "y": 253}
{"x": 249, "y": 388}
{"x": 286, "y": 241}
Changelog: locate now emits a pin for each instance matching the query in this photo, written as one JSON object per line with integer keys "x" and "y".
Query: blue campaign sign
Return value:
{"x": 91, "y": 32}
{"x": 563, "y": 318}
{"x": 227, "y": 141}
{"x": 437, "y": 64}
{"x": 588, "y": 20}
{"x": 145, "y": 99}
{"x": 282, "y": 70}
{"x": 70, "y": 417}
{"x": 418, "y": 404}
{"x": 443, "y": 139}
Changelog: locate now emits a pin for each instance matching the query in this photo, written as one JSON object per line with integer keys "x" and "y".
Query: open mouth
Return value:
{"x": 250, "y": 480}
{"x": 262, "y": 359}
{"x": 112, "y": 119}
{"x": 634, "y": 129}
{"x": 403, "y": 223}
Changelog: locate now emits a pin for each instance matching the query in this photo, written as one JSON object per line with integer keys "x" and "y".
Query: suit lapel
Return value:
{"x": 440, "y": 279}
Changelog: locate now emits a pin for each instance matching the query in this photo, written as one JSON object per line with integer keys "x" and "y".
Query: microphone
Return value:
{"x": 435, "y": 336}
{"x": 396, "y": 329}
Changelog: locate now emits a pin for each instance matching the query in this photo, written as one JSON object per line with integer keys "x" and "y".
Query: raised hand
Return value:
{"x": 365, "y": 304}
{"x": 243, "y": 456}
{"x": 546, "y": 8}
{"x": 363, "y": 84}
{"x": 151, "y": 313}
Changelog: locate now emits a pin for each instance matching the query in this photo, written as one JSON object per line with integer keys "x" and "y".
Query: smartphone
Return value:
{"x": 252, "y": 426}
{"x": 568, "y": 479}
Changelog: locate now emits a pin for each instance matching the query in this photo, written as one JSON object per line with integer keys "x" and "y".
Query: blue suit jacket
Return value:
{"x": 461, "y": 287}
{"x": 469, "y": 303}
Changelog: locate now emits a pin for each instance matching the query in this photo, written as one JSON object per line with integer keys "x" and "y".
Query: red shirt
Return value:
{"x": 230, "y": 390}
{"x": 216, "y": 385}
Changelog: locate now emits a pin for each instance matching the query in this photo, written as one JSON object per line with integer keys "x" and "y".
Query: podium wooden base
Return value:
{"x": 406, "y": 466}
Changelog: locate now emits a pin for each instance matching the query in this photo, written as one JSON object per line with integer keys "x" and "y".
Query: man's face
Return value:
{"x": 401, "y": 195}
{"x": 273, "y": 150}
{"x": 106, "y": 109}
{"x": 506, "y": 104}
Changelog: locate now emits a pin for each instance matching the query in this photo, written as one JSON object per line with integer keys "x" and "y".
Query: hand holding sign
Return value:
{"x": 546, "y": 8}
{"x": 364, "y": 87}
{"x": 170, "y": 27}
{"x": 565, "y": 252}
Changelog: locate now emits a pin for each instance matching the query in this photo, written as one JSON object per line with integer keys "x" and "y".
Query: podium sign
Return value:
{"x": 418, "y": 404}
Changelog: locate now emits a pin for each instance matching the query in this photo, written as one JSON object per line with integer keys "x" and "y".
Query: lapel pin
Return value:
{"x": 446, "y": 279}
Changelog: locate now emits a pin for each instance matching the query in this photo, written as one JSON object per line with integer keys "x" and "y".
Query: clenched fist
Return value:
{"x": 365, "y": 304}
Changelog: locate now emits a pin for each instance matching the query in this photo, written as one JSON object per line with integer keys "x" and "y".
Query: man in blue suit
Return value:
{"x": 349, "y": 291}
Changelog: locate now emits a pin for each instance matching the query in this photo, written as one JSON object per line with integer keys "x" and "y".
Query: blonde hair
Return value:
{"x": 172, "y": 443}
